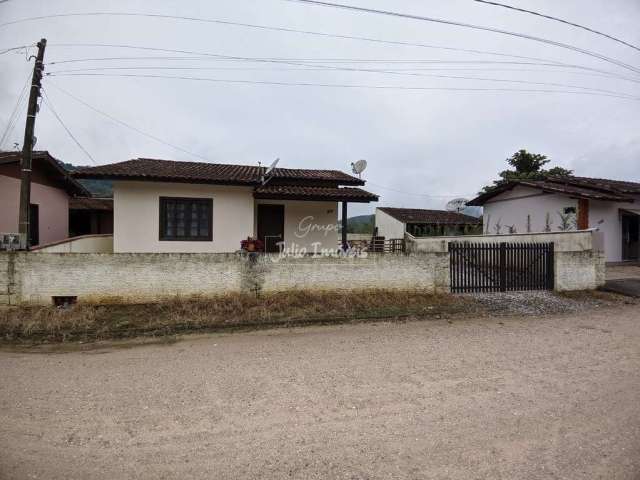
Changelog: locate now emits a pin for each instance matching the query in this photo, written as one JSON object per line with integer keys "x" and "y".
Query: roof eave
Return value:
{"x": 314, "y": 198}
{"x": 157, "y": 179}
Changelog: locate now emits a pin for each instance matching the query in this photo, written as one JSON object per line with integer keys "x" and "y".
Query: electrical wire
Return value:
{"x": 48, "y": 101}
{"x": 213, "y": 56}
{"x": 126, "y": 125}
{"x": 546, "y": 41}
{"x": 14, "y": 113}
{"x": 315, "y": 68}
{"x": 272, "y": 28}
{"x": 556, "y": 19}
{"x": 11, "y": 49}
{"x": 75, "y": 140}
{"x": 339, "y": 85}
{"x": 376, "y": 71}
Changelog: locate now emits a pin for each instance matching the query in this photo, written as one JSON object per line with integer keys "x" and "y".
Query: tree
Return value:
{"x": 526, "y": 166}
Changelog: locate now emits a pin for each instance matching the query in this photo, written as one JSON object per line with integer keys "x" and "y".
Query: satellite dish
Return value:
{"x": 457, "y": 205}
{"x": 265, "y": 177}
{"x": 272, "y": 166}
{"x": 359, "y": 167}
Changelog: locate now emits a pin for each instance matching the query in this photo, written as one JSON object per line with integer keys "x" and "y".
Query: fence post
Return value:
{"x": 503, "y": 267}
{"x": 551, "y": 271}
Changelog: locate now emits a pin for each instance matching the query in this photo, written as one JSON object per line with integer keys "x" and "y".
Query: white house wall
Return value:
{"x": 136, "y": 219}
{"x": 606, "y": 217}
{"x": 388, "y": 226}
{"x": 512, "y": 207}
{"x": 308, "y": 225}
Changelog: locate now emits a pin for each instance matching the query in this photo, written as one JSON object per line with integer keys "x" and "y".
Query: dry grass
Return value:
{"x": 96, "y": 322}
{"x": 92, "y": 322}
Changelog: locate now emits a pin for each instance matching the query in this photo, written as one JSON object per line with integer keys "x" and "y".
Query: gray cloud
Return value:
{"x": 416, "y": 142}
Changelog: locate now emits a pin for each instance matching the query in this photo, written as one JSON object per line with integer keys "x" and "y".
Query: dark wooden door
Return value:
{"x": 271, "y": 226}
{"x": 34, "y": 225}
{"x": 630, "y": 237}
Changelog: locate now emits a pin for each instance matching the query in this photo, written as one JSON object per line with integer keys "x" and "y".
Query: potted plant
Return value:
{"x": 252, "y": 245}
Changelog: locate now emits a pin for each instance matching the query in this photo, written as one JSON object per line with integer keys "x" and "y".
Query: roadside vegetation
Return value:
{"x": 88, "y": 322}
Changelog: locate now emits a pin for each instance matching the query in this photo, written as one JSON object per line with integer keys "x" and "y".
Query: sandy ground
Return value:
{"x": 554, "y": 397}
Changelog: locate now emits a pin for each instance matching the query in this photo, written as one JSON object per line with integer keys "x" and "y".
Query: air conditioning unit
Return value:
{"x": 9, "y": 241}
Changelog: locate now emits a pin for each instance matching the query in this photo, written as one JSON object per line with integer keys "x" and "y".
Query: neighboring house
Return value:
{"x": 394, "y": 222}
{"x": 90, "y": 216}
{"x": 51, "y": 190}
{"x": 170, "y": 206}
{"x": 568, "y": 203}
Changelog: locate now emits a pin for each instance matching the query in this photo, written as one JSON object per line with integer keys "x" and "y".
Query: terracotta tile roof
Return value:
{"x": 102, "y": 204}
{"x": 575, "y": 187}
{"x": 200, "y": 172}
{"x": 298, "y": 192}
{"x": 616, "y": 186}
{"x": 418, "y": 215}
{"x": 54, "y": 167}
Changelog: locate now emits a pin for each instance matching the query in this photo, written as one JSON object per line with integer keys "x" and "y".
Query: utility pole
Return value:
{"x": 27, "y": 147}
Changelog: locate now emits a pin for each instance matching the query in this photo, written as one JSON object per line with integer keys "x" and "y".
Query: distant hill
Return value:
{"x": 98, "y": 188}
{"x": 361, "y": 224}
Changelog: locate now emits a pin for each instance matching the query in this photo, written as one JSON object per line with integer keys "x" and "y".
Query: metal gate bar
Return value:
{"x": 501, "y": 267}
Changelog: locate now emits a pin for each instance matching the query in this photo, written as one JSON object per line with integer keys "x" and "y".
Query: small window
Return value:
{"x": 186, "y": 219}
{"x": 569, "y": 210}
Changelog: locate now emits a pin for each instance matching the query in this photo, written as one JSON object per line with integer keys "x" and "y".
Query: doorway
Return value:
{"x": 271, "y": 226}
{"x": 630, "y": 236}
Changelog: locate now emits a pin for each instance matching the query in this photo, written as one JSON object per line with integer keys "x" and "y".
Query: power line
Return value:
{"x": 272, "y": 28}
{"x": 367, "y": 70}
{"x": 14, "y": 113}
{"x": 341, "y": 36}
{"x": 20, "y": 47}
{"x": 556, "y": 19}
{"x": 213, "y": 56}
{"x": 471, "y": 26}
{"x": 313, "y": 67}
{"x": 126, "y": 125}
{"x": 76, "y": 141}
{"x": 339, "y": 85}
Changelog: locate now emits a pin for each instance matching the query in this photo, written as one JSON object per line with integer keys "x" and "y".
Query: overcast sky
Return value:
{"x": 421, "y": 145}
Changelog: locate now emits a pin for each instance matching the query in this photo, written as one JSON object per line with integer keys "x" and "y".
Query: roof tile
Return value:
{"x": 418, "y": 215}
{"x": 200, "y": 172}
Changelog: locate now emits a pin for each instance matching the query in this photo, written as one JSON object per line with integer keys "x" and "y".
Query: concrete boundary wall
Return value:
{"x": 579, "y": 257}
{"x": 34, "y": 278}
{"x": 145, "y": 277}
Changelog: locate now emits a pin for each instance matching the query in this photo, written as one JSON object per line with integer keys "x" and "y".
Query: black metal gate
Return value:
{"x": 501, "y": 267}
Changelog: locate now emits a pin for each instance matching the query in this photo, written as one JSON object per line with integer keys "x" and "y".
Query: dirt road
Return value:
{"x": 508, "y": 398}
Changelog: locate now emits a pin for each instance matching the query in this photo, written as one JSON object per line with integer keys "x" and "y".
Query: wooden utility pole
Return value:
{"x": 27, "y": 147}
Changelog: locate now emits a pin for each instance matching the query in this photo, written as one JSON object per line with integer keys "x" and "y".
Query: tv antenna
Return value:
{"x": 265, "y": 177}
{"x": 359, "y": 167}
{"x": 457, "y": 205}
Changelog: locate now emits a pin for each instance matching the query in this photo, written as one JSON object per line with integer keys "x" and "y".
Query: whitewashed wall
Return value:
{"x": 136, "y": 219}
{"x": 388, "y": 226}
{"x": 512, "y": 207}
{"x": 606, "y": 217}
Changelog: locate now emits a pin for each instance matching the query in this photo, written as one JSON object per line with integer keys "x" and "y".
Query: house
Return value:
{"x": 174, "y": 206}
{"x": 395, "y": 222}
{"x": 52, "y": 188}
{"x": 568, "y": 203}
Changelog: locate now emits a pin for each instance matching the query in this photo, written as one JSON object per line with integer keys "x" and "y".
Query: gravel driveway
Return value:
{"x": 508, "y": 398}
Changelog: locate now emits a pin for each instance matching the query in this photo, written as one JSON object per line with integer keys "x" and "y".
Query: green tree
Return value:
{"x": 526, "y": 166}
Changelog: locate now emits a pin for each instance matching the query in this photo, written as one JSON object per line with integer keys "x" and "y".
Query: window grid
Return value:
{"x": 186, "y": 219}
